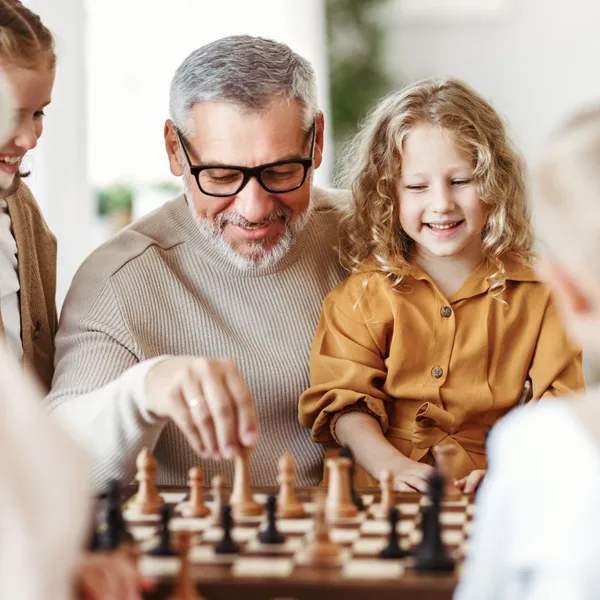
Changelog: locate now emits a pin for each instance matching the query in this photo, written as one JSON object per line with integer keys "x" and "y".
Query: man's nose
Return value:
{"x": 254, "y": 203}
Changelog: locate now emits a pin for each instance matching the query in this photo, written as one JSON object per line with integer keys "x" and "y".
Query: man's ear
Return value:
{"x": 319, "y": 140}
{"x": 172, "y": 148}
{"x": 565, "y": 286}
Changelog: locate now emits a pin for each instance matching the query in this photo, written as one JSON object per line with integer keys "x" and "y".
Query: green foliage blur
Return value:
{"x": 358, "y": 78}
{"x": 114, "y": 197}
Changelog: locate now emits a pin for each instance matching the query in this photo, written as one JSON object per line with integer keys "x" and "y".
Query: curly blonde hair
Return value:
{"x": 370, "y": 230}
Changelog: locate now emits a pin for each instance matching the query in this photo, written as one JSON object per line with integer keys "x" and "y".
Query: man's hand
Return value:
{"x": 208, "y": 400}
{"x": 109, "y": 576}
{"x": 470, "y": 483}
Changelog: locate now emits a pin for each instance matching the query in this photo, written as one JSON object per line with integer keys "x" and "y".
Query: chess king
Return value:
{"x": 193, "y": 326}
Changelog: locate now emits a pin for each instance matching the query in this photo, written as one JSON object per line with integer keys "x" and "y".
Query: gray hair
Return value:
{"x": 246, "y": 71}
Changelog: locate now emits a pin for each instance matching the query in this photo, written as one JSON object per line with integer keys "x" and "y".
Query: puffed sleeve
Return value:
{"x": 557, "y": 365}
{"x": 347, "y": 362}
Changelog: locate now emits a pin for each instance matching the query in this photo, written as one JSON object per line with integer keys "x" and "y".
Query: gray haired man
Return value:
{"x": 193, "y": 326}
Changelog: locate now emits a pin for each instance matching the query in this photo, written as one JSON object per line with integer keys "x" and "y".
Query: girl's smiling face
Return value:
{"x": 440, "y": 208}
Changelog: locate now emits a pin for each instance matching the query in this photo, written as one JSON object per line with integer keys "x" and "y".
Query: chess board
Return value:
{"x": 269, "y": 572}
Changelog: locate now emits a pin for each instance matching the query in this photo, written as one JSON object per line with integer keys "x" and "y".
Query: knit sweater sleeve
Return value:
{"x": 98, "y": 386}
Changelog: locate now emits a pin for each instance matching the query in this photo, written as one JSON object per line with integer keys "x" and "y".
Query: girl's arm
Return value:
{"x": 362, "y": 433}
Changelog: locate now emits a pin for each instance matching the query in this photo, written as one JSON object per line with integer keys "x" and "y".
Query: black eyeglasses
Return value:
{"x": 276, "y": 177}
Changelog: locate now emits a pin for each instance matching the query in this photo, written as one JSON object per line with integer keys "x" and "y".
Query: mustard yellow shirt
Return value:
{"x": 434, "y": 369}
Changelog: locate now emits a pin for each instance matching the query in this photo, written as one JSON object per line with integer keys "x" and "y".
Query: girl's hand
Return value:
{"x": 470, "y": 483}
{"x": 411, "y": 476}
{"x": 109, "y": 576}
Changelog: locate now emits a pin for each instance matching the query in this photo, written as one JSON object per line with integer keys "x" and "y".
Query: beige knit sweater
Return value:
{"x": 160, "y": 288}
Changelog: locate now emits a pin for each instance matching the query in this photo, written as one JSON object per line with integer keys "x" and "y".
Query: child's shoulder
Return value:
{"x": 518, "y": 271}
{"x": 362, "y": 295}
{"x": 356, "y": 284}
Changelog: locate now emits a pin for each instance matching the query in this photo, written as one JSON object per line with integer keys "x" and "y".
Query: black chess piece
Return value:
{"x": 112, "y": 533}
{"x": 227, "y": 544}
{"x": 113, "y": 505}
{"x": 356, "y": 499}
{"x": 271, "y": 535}
{"x": 393, "y": 549}
{"x": 94, "y": 543}
{"x": 431, "y": 554}
{"x": 164, "y": 547}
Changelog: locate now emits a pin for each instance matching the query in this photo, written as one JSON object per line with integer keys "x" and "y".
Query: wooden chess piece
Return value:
{"x": 444, "y": 457}
{"x": 195, "y": 507}
{"x": 184, "y": 586}
{"x": 288, "y": 506}
{"x": 388, "y": 496}
{"x": 218, "y": 491}
{"x": 339, "y": 503}
{"x": 241, "y": 500}
{"x": 320, "y": 551}
{"x": 147, "y": 500}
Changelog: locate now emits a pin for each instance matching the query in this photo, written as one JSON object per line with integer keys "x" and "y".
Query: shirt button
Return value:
{"x": 437, "y": 372}
{"x": 446, "y": 311}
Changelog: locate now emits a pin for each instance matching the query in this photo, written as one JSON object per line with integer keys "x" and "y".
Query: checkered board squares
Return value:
{"x": 361, "y": 540}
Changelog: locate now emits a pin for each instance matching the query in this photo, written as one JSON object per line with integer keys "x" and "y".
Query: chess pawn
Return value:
{"x": 388, "y": 497}
{"x": 320, "y": 551}
{"x": 339, "y": 503}
{"x": 195, "y": 507}
{"x": 444, "y": 458}
{"x": 184, "y": 586}
{"x": 241, "y": 500}
{"x": 147, "y": 500}
{"x": 218, "y": 489}
{"x": 288, "y": 506}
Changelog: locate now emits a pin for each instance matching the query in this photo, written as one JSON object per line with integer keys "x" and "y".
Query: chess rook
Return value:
{"x": 339, "y": 503}
{"x": 288, "y": 506}
{"x": 242, "y": 501}
{"x": 444, "y": 458}
{"x": 195, "y": 507}
{"x": 147, "y": 500}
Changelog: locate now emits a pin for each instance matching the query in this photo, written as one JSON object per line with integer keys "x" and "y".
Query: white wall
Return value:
{"x": 59, "y": 164}
{"x": 535, "y": 64}
{"x": 132, "y": 59}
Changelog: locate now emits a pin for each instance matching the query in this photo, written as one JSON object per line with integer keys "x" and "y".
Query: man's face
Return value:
{"x": 255, "y": 224}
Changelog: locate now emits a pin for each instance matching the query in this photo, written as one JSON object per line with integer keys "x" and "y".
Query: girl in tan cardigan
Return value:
{"x": 28, "y": 312}
{"x": 28, "y": 324}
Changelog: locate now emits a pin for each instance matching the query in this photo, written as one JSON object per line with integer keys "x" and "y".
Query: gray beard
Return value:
{"x": 260, "y": 256}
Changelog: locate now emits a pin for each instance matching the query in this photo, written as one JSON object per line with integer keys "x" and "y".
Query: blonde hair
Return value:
{"x": 24, "y": 40}
{"x": 567, "y": 192}
{"x": 371, "y": 231}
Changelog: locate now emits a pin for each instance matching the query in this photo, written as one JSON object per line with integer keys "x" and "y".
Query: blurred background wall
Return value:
{"x": 101, "y": 161}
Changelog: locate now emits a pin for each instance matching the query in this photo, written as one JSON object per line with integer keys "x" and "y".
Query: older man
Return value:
{"x": 193, "y": 326}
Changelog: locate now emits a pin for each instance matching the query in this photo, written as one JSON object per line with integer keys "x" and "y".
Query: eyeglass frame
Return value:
{"x": 250, "y": 172}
